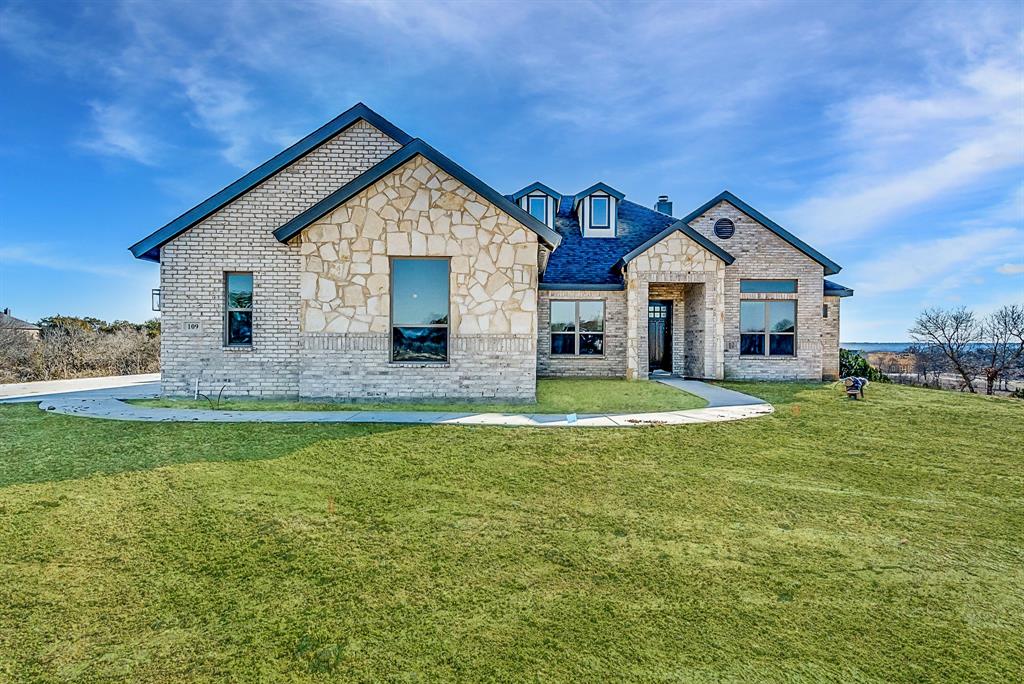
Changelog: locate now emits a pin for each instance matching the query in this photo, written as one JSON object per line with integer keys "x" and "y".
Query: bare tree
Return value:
{"x": 1003, "y": 335}
{"x": 953, "y": 332}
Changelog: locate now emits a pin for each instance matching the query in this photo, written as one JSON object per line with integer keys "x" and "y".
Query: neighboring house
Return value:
{"x": 362, "y": 263}
{"x": 23, "y": 328}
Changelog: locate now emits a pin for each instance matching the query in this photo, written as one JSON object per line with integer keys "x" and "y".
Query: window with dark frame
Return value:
{"x": 538, "y": 208}
{"x": 768, "y": 286}
{"x": 419, "y": 310}
{"x": 824, "y": 310}
{"x": 599, "y": 212}
{"x": 238, "y": 309}
{"x": 768, "y": 328}
{"x": 577, "y": 327}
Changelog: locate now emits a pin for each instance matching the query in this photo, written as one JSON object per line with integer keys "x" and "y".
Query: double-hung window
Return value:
{"x": 577, "y": 327}
{"x": 538, "y": 208}
{"x": 238, "y": 309}
{"x": 767, "y": 328}
{"x": 599, "y": 212}
{"x": 419, "y": 310}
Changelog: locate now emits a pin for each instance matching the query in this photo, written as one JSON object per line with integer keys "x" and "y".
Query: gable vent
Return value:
{"x": 724, "y": 228}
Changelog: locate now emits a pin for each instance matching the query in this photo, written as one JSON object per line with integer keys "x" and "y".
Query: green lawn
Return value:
{"x": 880, "y": 540}
{"x": 564, "y": 395}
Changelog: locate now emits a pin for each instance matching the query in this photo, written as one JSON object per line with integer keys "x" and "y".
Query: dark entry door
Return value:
{"x": 659, "y": 335}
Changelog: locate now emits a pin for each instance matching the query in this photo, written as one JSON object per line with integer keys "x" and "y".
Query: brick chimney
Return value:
{"x": 663, "y": 205}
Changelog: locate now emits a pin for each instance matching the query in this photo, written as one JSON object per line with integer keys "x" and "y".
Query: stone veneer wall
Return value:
{"x": 676, "y": 259}
{"x": 239, "y": 237}
{"x": 760, "y": 253}
{"x": 830, "y": 340}
{"x": 611, "y": 364}
{"x": 418, "y": 210}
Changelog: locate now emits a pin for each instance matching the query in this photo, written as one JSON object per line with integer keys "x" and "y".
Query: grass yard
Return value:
{"x": 842, "y": 541}
{"x": 562, "y": 395}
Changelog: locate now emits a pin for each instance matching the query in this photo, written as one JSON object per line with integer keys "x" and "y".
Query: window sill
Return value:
{"x": 420, "y": 364}
{"x": 577, "y": 356}
{"x": 238, "y": 347}
{"x": 764, "y": 357}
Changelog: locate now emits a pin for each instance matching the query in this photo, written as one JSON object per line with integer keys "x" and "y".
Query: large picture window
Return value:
{"x": 577, "y": 327}
{"x": 238, "y": 309}
{"x": 767, "y": 328}
{"x": 419, "y": 310}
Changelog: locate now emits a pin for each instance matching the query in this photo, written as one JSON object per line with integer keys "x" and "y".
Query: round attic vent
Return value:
{"x": 724, "y": 228}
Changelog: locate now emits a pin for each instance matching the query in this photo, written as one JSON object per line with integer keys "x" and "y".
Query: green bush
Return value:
{"x": 851, "y": 364}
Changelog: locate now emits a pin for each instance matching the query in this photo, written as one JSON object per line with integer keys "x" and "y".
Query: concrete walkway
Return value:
{"x": 119, "y": 386}
{"x": 723, "y": 405}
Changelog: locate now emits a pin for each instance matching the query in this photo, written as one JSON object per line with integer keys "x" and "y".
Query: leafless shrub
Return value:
{"x": 70, "y": 347}
{"x": 952, "y": 332}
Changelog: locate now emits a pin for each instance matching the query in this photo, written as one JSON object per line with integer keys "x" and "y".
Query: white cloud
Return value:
{"x": 117, "y": 131}
{"x": 1011, "y": 269}
{"x": 906, "y": 150}
{"x": 939, "y": 265}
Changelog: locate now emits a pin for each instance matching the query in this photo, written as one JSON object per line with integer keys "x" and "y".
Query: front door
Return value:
{"x": 659, "y": 335}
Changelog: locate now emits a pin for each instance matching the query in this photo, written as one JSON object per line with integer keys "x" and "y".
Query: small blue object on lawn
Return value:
{"x": 570, "y": 418}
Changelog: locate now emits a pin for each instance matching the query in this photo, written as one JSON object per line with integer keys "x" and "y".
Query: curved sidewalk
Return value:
{"x": 723, "y": 405}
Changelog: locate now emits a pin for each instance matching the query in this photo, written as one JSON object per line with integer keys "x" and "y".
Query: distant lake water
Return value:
{"x": 876, "y": 346}
{"x": 865, "y": 347}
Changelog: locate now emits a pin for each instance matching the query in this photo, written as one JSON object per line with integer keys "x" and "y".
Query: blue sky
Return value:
{"x": 888, "y": 135}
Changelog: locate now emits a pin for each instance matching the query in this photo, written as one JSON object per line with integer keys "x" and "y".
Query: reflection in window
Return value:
{"x": 767, "y": 328}
{"x": 783, "y": 286}
{"x": 599, "y": 212}
{"x": 419, "y": 310}
{"x": 238, "y": 309}
{"x": 539, "y": 208}
{"x": 577, "y": 327}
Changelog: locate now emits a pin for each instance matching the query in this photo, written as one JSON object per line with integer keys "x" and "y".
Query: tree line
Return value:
{"x": 74, "y": 347}
{"x": 989, "y": 348}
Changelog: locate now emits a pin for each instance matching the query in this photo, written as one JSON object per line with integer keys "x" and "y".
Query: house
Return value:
{"x": 18, "y": 326}
{"x": 362, "y": 263}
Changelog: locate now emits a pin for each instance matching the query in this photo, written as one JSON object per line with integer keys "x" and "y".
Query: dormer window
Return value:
{"x": 597, "y": 210}
{"x": 539, "y": 201}
{"x": 538, "y": 207}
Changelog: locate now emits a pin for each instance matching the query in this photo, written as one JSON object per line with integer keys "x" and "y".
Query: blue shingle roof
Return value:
{"x": 833, "y": 289}
{"x": 594, "y": 261}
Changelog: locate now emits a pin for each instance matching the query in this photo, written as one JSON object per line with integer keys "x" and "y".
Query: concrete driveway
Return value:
{"x": 121, "y": 386}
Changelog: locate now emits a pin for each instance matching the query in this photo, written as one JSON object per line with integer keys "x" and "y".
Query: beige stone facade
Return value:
{"x": 679, "y": 269}
{"x": 418, "y": 211}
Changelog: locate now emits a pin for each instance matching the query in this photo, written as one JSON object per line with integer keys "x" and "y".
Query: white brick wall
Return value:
{"x": 612, "y": 364}
{"x": 760, "y": 253}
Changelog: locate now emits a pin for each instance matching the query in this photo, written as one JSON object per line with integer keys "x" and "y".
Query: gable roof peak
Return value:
{"x": 597, "y": 187}
{"x": 395, "y": 160}
{"x": 831, "y": 267}
{"x": 149, "y": 247}
{"x": 535, "y": 187}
